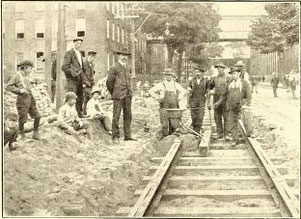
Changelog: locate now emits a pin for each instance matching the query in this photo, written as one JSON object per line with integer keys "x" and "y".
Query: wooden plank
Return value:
{"x": 207, "y": 158}
{"x": 211, "y": 212}
{"x": 284, "y": 191}
{"x": 148, "y": 193}
{"x": 193, "y": 179}
{"x": 249, "y": 167}
{"x": 227, "y": 147}
{"x": 205, "y": 143}
{"x": 214, "y": 193}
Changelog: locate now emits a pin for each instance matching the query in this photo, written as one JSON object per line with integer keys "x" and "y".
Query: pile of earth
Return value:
{"x": 67, "y": 175}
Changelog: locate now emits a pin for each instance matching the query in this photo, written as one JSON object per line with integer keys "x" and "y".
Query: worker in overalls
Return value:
{"x": 167, "y": 93}
{"x": 197, "y": 88}
{"x": 237, "y": 97}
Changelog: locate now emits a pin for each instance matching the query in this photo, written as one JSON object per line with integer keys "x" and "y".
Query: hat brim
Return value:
{"x": 219, "y": 66}
{"x": 75, "y": 40}
{"x": 123, "y": 53}
{"x": 92, "y": 53}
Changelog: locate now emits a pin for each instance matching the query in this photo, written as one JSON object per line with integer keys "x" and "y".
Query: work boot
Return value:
{"x": 36, "y": 135}
{"x": 234, "y": 144}
{"x": 12, "y": 146}
{"x": 115, "y": 141}
{"x": 228, "y": 138}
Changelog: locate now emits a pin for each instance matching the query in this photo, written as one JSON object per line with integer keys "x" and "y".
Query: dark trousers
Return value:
{"x": 106, "y": 122}
{"x": 53, "y": 87}
{"x": 221, "y": 114}
{"x": 124, "y": 104}
{"x": 233, "y": 124}
{"x": 87, "y": 97}
{"x": 275, "y": 91}
{"x": 26, "y": 104}
{"x": 77, "y": 88}
{"x": 197, "y": 116}
{"x": 10, "y": 136}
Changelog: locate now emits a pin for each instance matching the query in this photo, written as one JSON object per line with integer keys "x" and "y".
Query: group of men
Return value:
{"x": 230, "y": 96}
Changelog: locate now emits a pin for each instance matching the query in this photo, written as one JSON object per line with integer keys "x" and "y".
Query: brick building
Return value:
{"x": 30, "y": 32}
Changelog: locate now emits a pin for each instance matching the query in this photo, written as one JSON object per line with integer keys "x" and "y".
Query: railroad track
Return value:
{"x": 225, "y": 182}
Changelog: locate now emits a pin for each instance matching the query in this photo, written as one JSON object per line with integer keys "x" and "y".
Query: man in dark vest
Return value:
{"x": 74, "y": 68}
{"x": 198, "y": 88}
{"x": 220, "y": 113}
{"x": 88, "y": 78}
{"x": 119, "y": 85}
{"x": 237, "y": 97}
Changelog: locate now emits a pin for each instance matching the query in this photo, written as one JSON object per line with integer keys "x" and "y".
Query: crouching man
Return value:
{"x": 167, "y": 93}
{"x": 95, "y": 110}
{"x": 26, "y": 104}
{"x": 68, "y": 117}
{"x": 237, "y": 96}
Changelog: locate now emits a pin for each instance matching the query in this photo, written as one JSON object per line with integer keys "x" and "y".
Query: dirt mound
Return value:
{"x": 67, "y": 175}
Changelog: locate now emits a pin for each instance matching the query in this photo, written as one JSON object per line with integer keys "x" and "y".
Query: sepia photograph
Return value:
{"x": 150, "y": 109}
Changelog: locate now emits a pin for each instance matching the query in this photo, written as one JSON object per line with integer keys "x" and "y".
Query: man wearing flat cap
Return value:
{"x": 88, "y": 78}
{"x": 198, "y": 88}
{"x": 219, "y": 84}
{"x": 26, "y": 104}
{"x": 167, "y": 93}
{"x": 119, "y": 85}
{"x": 74, "y": 69}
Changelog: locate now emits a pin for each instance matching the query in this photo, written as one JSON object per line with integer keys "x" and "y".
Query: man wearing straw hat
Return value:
{"x": 167, "y": 93}
{"x": 197, "y": 88}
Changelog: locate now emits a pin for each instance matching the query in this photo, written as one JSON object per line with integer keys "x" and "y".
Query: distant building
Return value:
{"x": 25, "y": 34}
{"x": 235, "y": 27}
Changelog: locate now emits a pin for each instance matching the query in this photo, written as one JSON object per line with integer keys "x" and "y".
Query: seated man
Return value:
{"x": 68, "y": 117}
{"x": 95, "y": 110}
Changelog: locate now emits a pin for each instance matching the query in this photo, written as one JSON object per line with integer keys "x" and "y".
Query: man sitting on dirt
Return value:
{"x": 95, "y": 110}
{"x": 68, "y": 118}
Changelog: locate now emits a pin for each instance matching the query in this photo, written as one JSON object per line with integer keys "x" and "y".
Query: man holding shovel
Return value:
{"x": 197, "y": 88}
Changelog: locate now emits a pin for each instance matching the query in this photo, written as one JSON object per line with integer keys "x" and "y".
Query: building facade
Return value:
{"x": 30, "y": 32}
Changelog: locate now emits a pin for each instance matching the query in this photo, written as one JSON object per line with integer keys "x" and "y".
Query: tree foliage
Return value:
{"x": 191, "y": 24}
{"x": 278, "y": 29}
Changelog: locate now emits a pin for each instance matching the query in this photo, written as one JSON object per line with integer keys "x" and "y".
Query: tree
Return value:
{"x": 278, "y": 29}
{"x": 189, "y": 24}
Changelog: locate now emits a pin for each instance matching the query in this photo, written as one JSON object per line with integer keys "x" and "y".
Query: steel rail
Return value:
{"x": 148, "y": 194}
{"x": 285, "y": 193}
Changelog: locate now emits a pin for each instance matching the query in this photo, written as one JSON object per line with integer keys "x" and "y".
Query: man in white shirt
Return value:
{"x": 73, "y": 68}
{"x": 95, "y": 110}
{"x": 167, "y": 93}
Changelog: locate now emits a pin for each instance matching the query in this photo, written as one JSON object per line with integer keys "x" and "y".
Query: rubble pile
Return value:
{"x": 39, "y": 92}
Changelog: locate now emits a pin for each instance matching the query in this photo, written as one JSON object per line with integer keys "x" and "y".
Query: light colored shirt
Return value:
{"x": 198, "y": 81}
{"x": 94, "y": 107}
{"x": 67, "y": 113}
{"x": 79, "y": 56}
{"x": 236, "y": 84}
{"x": 158, "y": 91}
{"x": 123, "y": 64}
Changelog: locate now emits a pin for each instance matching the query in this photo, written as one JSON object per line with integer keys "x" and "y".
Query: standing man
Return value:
{"x": 167, "y": 93}
{"x": 237, "y": 97}
{"x": 88, "y": 78}
{"x": 119, "y": 85}
{"x": 26, "y": 104}
{"x": 274, "y": 83}
{"x": 242, "y": 68}
{"x": 197, "y": 89}
{"x": 74, "y": 69}
{"x": 219, "y": 84}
